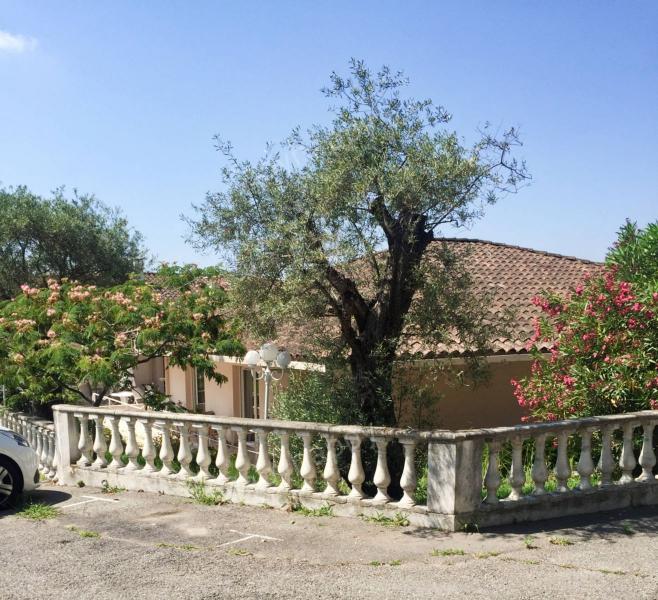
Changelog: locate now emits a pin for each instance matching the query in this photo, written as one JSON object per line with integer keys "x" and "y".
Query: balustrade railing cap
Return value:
{"x": 436, "y": 435}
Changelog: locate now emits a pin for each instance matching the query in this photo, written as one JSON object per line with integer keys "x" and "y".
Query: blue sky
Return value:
{"x": 122, "y": 99}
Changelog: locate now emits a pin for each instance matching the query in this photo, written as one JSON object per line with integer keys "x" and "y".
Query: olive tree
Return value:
{"x": 341, "y": 240}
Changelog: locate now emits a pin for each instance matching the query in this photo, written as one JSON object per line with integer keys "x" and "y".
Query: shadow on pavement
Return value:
{"x": 48, "y": 496}
{"x": 608, "y": 526}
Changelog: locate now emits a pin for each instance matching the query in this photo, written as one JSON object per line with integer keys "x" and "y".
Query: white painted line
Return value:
{"x": 91, "y": 499}
{"x": 265, "y": 537}
{"x": 244, "y": 539}
{"x": 112, "y": 500}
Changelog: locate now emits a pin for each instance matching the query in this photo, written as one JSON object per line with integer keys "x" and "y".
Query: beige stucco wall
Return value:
{"x": 177, "y": 385}
{"x": 455, "y": 406}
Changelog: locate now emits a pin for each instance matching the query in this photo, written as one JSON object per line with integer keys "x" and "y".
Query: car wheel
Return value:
{"x": 10, "y": 483}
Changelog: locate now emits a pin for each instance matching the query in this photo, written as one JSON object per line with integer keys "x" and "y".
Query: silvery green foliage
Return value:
{"x": 336, "y": 244}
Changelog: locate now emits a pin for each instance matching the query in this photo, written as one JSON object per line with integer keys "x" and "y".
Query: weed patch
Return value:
{"x": 561, "y": 541}
{"x": 37, "y": 511}
{"x": 447, "y": 552}
{"x": 200, "y": 494}
{"x": 106, "y": 488}
{"x": 399, "y": 520}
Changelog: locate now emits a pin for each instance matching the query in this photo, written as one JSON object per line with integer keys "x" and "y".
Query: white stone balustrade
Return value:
{"x": 39, "y": 433}
{"x": 551, "y": 469}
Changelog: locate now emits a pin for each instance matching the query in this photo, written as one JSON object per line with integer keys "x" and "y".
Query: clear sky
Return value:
{"x": 122, "y": 99}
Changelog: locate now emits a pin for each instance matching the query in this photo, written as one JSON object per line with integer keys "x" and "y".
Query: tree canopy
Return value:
{"x": 68, "y": 341}
{"x": 78, "y": 238}
{"x": 343, "y": 235}
{"x": 604, "y": 354}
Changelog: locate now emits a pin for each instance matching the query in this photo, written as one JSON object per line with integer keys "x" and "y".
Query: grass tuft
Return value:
{"x": 37, "y": 511}
{"x": 447, "y": 552}
{"x": 84, "y": 533}
{"x": 239, "y": 552}
{"x": 200, "y": 494}
{"x": 399, "y": 520}
{"x": 323, "y": 511}
{"x": 561, "y": 541}
{"x": 106, "y": 488}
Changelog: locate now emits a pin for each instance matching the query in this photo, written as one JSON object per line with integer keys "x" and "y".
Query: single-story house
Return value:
{"x": 510, "y": 275}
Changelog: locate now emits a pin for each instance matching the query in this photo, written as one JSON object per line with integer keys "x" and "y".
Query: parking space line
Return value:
{"x": 91, "y": 499}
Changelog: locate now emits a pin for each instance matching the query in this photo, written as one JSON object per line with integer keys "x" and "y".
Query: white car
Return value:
{"x": 19, "y": 467}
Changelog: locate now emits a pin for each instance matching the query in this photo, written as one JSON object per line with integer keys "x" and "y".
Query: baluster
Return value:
{"x": 242, "y": 462}
{"x": 44, "y": 450}
{"x": 52, "y": 454}
{"x": 263, "y": 464}
{"x": 539, "y": 470}
{"x": 222, "y": 458}
{"x": 492, "y": 478}
{"x": 382, "y": 477}
{"x": 331, "y": 474}
{"x": 116, "y": 445}
{"x": 627, "y": 460}
{"x": 48, "y": 470}
{"x": 148, "y": 451}
{"x": 647, "y": 454}
{"x": 307, "y": 470}
{"x": 356, "y": 475}
{"x": 562, "y": 469}
{"x": 184, "y": 452}
{"x": 166, "y": 449}
{"x": 84, "y": 441}
{"x": 408, "y": 478}
{"x": 100, "y": 446}
{"x": 517, "y": 475}
{"x": 132, "y": 449}
{"x": 585, "y": 463}
{"x": 285, "y": 467}
{"x": 607, "y": 461}
{"x": 39, "y": 446}
{"x": 202, "y": 455}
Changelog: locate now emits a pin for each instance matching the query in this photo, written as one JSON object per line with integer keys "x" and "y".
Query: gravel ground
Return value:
{"x": 151, "y": 546}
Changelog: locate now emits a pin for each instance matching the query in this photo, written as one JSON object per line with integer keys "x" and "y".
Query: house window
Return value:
{"x": 199, "y": 391}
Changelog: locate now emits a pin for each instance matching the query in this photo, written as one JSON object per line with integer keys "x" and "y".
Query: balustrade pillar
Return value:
{"x": 607, "y": 462}
{"x": 242, "y": 462}
{"x": 148, "y": 452}
{"x": 539, "y": 470}
{"x": 356, "y": 475}
{"x": 39, "y": 446}
{"x": 517, "y": 475}
{"x": 562, "y": 468}
{"x": 116, "y": 445}
{"x": 408, "y": 479}
{"x": 307, "y": 470}
{"x": 222, "y": 458}
{"x": 331, "y": 474}
{"x": 263, "y": 463}
{"x": 100, "y": 446}
{"x": 202, "y": 455}
{"x": 285, "y": 466}
{"x": 382, "y": 477}
{"x": 132, "y": 449}
{"x": 585, "y": 463}
{"x": 166, "y": 449}
{"x": 84, "y": 442}
{"x": 627, "y": 460}
{"x": 647, "y": 455}
{"x": 492, "y": 478}
{"x": 184, "y": 451}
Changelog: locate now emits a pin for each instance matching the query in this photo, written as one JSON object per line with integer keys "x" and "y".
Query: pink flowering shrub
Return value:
{"x": 604, "y": 353}
{"x": 60, "y": 342}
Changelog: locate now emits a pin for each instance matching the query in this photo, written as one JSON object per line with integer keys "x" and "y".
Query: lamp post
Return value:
{"x": 273, "y": 358}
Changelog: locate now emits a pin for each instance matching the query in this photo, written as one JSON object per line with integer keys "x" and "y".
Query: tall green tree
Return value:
{"x": 79, "y": 238}
{"x": 342, "y": 237}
